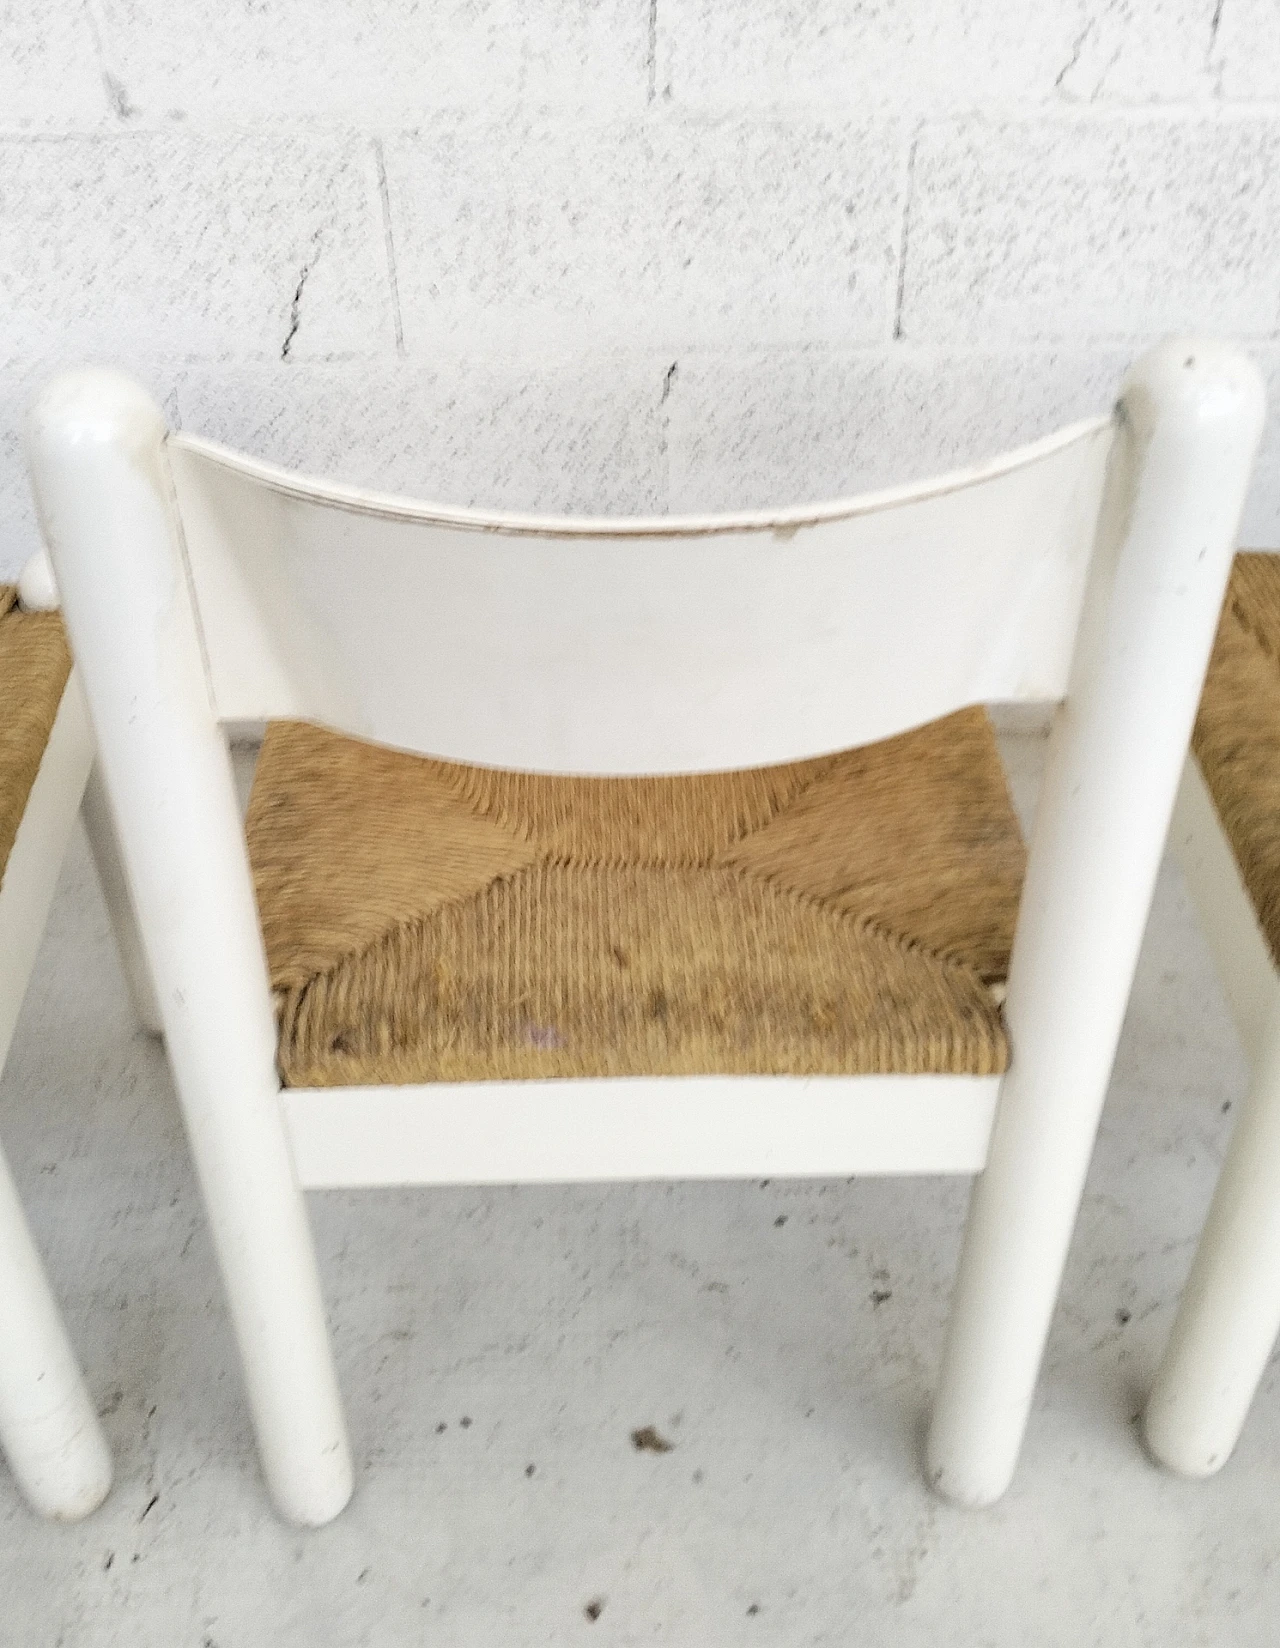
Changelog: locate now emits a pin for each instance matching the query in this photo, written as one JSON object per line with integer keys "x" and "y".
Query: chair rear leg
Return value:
{"x": 1229, "y": 1316}
{"x": 95, "y": 809}
{"x": 48, "y": 1427}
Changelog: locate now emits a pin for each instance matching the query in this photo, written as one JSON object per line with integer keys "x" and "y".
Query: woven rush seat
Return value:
{"x": 1237, "y": 733}
{"x": 428, "y": 921}
{"x": 34, "y": 665}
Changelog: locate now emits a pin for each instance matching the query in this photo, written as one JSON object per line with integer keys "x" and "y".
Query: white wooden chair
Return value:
{"x": 48, "y": 1427}
{"x": 205, "y": 590}
{"x": 1226, "y": 836}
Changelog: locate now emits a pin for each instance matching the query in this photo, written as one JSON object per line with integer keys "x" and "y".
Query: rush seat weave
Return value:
{"x": 34, "y": 665}
{"x": 427, "y": 921}
{"x": 1237, "y": 735}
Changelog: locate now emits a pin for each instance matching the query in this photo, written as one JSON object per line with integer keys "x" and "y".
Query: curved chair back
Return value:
{"x": 638, "y": 645}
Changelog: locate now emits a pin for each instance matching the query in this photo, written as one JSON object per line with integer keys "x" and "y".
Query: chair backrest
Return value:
{"x": 659, "y": 645}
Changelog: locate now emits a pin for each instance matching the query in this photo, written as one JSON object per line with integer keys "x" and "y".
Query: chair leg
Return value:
{"x": 48, "y": 1427}
{"x": 99, "y": 826}
{"x": 1229, "y": 1316}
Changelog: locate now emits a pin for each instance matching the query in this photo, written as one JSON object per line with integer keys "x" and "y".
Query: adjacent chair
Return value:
{"x": 1226, "y": 834}
{"x": 48, "y": 1427}
{"x": 675, "y": 847}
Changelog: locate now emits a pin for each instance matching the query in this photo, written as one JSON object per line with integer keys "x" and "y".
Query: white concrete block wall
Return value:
{"x": 1052, "y": 230}
{"x": 624, "y": 255}
{"x": 527, "y": 233}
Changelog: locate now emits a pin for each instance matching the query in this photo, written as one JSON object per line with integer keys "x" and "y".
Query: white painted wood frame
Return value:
{"x": 1087, "y": 569}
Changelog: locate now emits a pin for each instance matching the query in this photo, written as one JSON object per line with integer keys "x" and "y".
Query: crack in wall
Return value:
{"x": 1073, "y": 61}
{"x": 653, "y": 50}
{"x": 1215, "y": 25}
{"x": 384, "y": 194}
{"x": 115, "y": 88}
{"x": 908, "y": 198}
{"x": 1077, "y": 55}
{"x": 295, "y": 311}
{"x": 118, "y": 95}
{"x": 1214, "y": 69}
{"x": 664, "y": 429}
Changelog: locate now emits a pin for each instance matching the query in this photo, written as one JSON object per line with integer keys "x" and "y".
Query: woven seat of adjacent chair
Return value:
{"x": 427, "y": 921}
{"x": 34, "y": 665}
{"x": 1237, "y": 735}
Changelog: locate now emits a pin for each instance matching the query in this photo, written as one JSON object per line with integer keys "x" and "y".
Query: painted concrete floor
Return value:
{"x": 498, "y": 1349}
